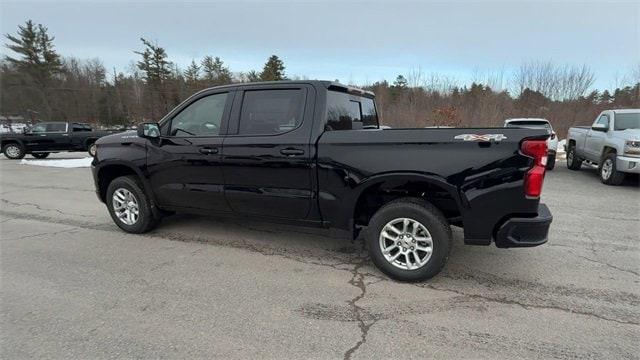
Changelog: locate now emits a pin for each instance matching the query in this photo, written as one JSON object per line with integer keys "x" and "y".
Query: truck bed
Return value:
{"x": 479, "y": 176}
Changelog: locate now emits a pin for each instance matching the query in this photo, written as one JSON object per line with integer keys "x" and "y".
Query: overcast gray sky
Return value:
{"x": 356, "y": 42}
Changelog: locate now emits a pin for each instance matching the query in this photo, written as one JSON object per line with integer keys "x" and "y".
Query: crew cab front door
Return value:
{"x": 184, "y": 164}
{"x": 595, "y": 139}
{"x": 267, "y": 157}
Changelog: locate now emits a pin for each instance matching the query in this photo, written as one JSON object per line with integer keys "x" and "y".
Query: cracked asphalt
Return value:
{"x": 75, "y": 286}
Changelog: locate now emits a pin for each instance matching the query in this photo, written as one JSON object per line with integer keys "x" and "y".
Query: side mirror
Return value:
{"x": 149, "y": 130}
{"x": 600, "y": 127}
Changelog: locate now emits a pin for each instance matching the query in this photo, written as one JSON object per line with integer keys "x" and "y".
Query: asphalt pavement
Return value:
{"x": 74, "y": 286}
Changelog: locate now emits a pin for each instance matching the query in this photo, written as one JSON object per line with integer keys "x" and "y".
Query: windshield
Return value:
{"x": 625, "y": 121}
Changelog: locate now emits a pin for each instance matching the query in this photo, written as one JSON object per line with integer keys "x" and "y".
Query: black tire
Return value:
{"x": 42, "y": 155}
{"x": 551, "y": 162}
{"x": 13, "y": 151}
{"x": 612, "y": 176}
{"x": 91, "y": 149}
{"x": 146, "y": 220}
{"x": 573, "y": 161}
{"x": 427, "y": 215}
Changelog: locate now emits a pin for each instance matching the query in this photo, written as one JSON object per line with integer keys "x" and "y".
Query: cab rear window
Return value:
{"x": 349, "y": 112}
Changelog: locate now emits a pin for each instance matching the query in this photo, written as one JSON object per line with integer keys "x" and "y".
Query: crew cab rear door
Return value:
{"x": 267, "y": 160}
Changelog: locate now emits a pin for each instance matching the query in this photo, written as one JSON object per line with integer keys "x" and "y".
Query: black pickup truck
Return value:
{"x": 313, "y": 153}
{"x": 47, "y": 137}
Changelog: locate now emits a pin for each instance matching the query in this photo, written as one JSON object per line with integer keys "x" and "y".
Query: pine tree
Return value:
{"x": 605, "y": 97}
{"x": 192, "y": 74}
{"x": 252, "y": 76}
{"x": 37, "y": 55}
{"x": 154, "y": 63}
{"x": 273, "y": 69}
{"x": 215, "y": 73}
{"x": 401, "y": 82}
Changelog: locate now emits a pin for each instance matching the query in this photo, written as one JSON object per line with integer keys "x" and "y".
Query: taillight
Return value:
{"x": 534, "y": 178}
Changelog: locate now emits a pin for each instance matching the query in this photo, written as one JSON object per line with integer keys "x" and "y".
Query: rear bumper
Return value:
{"x": 525, "y": 231}
{"x": 628, "y": 164}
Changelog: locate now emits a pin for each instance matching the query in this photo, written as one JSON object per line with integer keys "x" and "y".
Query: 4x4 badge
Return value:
{"x": 480, "y": 137}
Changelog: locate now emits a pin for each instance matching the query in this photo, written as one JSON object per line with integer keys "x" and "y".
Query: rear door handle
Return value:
{"x": 292, "y": 152}
{"x": 208, "y": 151}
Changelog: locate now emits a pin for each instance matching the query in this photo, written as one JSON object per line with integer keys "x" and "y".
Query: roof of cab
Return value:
{"x": 330, "y": 85}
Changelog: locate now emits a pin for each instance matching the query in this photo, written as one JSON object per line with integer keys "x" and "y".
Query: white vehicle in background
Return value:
{"x": 612, "y": 143}
{"x": 536, "y": 123}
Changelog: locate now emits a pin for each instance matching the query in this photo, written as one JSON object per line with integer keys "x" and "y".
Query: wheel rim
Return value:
{"x": 125, "y": 206}
{"x": 406, "y": 243}
{"x": 92, "y": 150}
{"x": 570, "y": 157}
{"x": 13, "y": 151}
{"x": 607, "y": 169}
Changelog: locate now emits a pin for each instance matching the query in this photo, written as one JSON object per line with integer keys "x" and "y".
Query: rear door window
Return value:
{"x": 56, "y": 127}
{"x": 271, "y": 112}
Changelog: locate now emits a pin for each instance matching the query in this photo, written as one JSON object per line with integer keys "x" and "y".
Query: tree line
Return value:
{"x": 38, "y": 83}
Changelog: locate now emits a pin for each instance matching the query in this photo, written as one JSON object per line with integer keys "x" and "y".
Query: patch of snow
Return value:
{"x": 61, "y": 163}
{"x": 12, "y": 128}
{"x": 561, "y": 145}
{"x": 560, "y": 153}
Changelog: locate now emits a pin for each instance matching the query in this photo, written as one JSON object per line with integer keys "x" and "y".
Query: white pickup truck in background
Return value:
{"x": 612, "y": 143}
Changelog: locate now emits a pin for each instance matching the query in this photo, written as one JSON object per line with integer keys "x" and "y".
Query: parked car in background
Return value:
{"x": 535, "y": 123}
{"x": 612, "y": 143}
{"x": 44, "y": 138}
{"x": 312, "y": 153}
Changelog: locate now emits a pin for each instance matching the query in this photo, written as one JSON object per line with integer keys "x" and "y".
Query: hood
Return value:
{"x": 628, "y": 134}
{"x": 127, "y": 136}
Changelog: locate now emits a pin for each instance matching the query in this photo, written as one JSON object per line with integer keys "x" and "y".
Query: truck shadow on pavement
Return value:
{"x": 474, "y": 276}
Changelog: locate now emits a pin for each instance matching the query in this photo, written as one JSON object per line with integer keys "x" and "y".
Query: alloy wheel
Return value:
{"x": 607, "y": 169}
{"x": 13, "y": 151}
{"x": 406, "y": 243}
{"x": 125, "y": 206}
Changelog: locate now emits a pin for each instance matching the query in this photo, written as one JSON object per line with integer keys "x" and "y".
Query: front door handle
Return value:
{"x": 292, "y": 152}
{"x": 208, "y": 150}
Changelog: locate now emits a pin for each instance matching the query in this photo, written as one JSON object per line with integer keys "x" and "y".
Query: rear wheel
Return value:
{"x": 409, "y": 239}
{"x": 13, "y": 151}
{"x": 608, "y": 173}
{"x": 129, "y": 206}
{"x": 551, "y": 162}
{"x": 40, "y": 155}
{"x": 573, "y": 162}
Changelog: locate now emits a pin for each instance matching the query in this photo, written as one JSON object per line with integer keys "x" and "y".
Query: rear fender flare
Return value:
{"x": 406, "y": 176}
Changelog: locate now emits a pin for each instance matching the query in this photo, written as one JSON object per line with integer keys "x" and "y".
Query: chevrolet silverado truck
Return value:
{"x": 612, "y": 143}
{"x": 312, "y": 153}
{"x": 535, "y": 123}
{"x": 49, "y": 137}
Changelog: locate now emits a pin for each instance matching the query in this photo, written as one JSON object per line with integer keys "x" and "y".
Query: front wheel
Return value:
{"x": 409, "y": 240}
{"x": 13, "y": 151}
{"x": 129, "y": 206}
{"x": 92, "y": 150}
{"x": 40, "y": 155}
{"x": 608, "y": 173}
